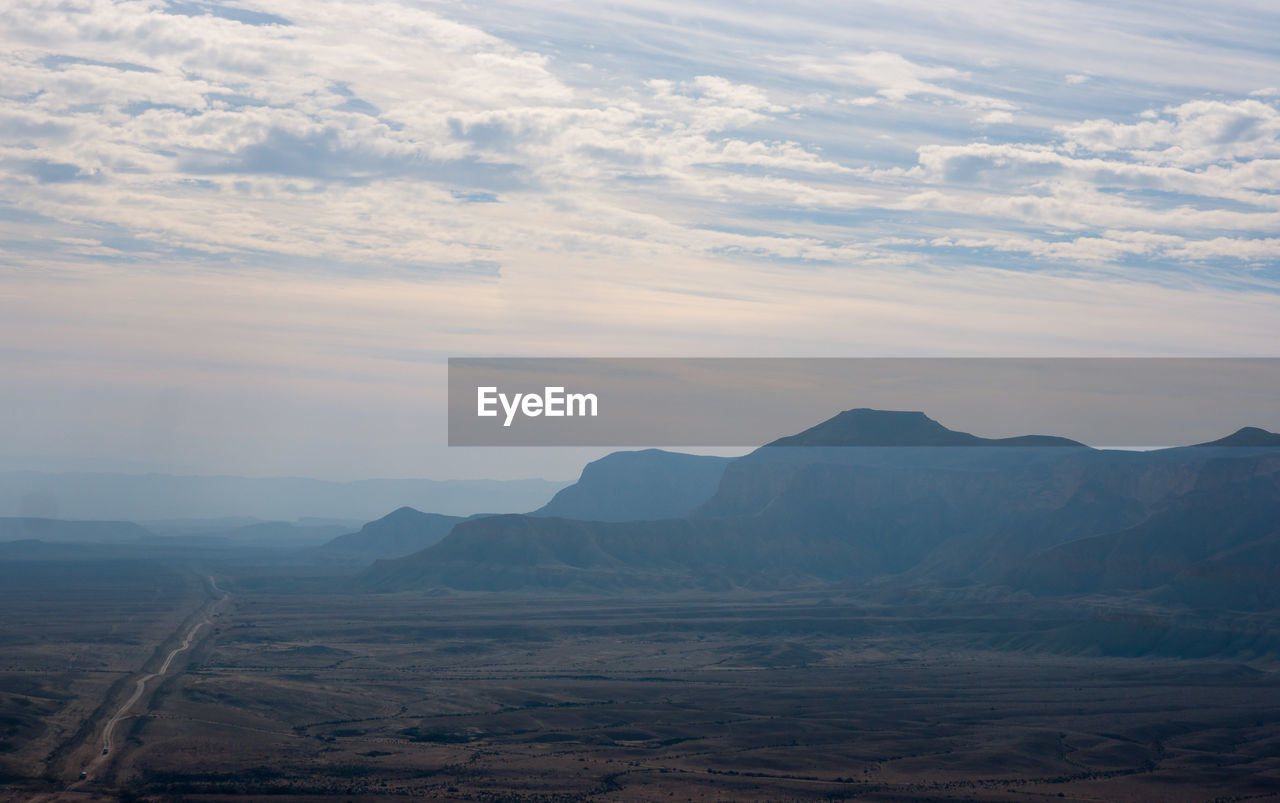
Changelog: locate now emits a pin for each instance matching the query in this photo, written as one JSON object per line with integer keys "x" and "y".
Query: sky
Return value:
{"x": 244, "y": 238}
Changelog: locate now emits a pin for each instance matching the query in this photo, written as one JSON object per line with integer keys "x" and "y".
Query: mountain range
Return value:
{"x": 165, "y": 497}
{"x": 857, "y": 498}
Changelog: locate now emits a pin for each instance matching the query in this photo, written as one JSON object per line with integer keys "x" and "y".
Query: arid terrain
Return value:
{"x": 76, "y": 637}
{"x": 320, "y": 694}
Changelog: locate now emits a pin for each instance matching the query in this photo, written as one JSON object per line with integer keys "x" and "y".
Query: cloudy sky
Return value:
{"x": 242, "y": 238}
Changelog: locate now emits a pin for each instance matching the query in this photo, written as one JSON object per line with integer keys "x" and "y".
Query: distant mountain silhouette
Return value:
{"x": 62, "y": 531}
{"x": 398, "y": 533}
{"x": 32, "y": 549}
{"x": 866, "y": 427}
{"x": 159, "y": 497}
{"x": 1247, "y": 436}
{"x": 268, "y": 534}
{"x": 807, "y": 510}
{"x": 633, "y": 486}
{"x": 623, "y": 486}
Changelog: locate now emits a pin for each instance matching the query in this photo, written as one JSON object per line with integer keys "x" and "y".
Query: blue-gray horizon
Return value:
{"x": 245, "y": 237}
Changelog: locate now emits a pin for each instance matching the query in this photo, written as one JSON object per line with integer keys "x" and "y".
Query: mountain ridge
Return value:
{"x": 638, "y": 485}
{"x": 863, "y": 426}
{"x": 790, "y": 515}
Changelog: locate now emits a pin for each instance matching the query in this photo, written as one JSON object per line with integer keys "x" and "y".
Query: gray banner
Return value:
{"x": 723, "y": 402}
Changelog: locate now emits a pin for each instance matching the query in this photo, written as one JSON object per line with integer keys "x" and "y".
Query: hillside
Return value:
{"x": 632, "y": 486}
{"x": 1190, "y": 542}
{"x": 401, "y": 532}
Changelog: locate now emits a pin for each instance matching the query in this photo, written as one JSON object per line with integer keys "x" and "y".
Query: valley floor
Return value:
{"x": 707, "y": 697}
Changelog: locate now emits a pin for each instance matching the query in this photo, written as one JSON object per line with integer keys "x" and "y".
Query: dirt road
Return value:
{"x": 206, "y": 615}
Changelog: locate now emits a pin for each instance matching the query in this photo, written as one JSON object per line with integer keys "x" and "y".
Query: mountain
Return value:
{"x": 265, "y": 534}
{"x": 820, "y": 512}
{"x": 1188, "y": 542}
{"x": 779, "y": 516}
{"x": 1247, "y": 436}
{"x": 398, "y": 533}
{"x": 513, "y": 552}
{"x": 59, "y": 531}
{"x": 156, "y": 497}
{"x": 632, "y": 486}
{"x": 865, "y": 427}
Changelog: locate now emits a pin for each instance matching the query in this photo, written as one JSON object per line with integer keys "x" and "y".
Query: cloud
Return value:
{"x": 475, "y": 114}
{"x": 892, "y": 78}
{"x": 243, "y": 15}
{"x": 1192, "y": 134}
{"x": 270, "y": 194}
{"x": 250, "y": 135}
{"x": 327, "y": 154}
{"x": 996, "y": 117}
{"x": 47, "y": 172}
{"x": 1190, "y": 185}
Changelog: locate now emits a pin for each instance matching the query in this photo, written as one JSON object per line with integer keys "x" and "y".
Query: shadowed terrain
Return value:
{"x": 728, "y": 696}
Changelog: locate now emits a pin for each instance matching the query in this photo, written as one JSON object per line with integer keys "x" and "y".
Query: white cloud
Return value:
{"x": 1192, "y": 134}
{"x": 316, "y": 141}
{"x": 1191, "y": 184}
{"x": 892, "y": 78}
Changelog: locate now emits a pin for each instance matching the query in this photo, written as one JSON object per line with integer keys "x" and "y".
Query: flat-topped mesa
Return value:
{"x": 1197, "y": 526}
{"x": 867, "y": 427}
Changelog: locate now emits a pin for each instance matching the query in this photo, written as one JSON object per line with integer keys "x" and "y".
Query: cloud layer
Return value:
{"x": 145, "y": 130}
